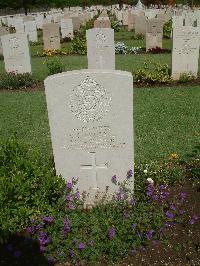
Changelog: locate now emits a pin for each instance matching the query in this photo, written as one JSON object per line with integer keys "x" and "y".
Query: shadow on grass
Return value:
{"x": 22, "y": 251}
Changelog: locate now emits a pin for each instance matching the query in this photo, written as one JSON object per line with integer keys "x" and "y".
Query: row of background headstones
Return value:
{"x": 185, "y": 45}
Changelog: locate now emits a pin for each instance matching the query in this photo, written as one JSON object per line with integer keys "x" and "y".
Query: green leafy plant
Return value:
{"x": 54, "y": 66}
{"x": 40, "y": 205}
{"x": 28, "y": 186}
{"x": 167, "y": 29}
{"x": 186, "y": 77}
{"x": 79, "y": 45}
{"x": 152, "y": 72}
{"x": 13, "y": 81}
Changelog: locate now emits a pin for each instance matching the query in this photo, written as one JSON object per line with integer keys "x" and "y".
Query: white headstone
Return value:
{"x": 67, "y": 28}
{"x": 51, "y": 36}
{"x": 39, "y": 21}
{"x": 100, "y": 48}
{"x": 140, "y": 25}
{"x": 91, "y": 123}
{"x": 154, "y": 33}
{"x": 19, "y": 25}
{"x": 185, "y": 53}
{"x": 31, "y": 31}
{"x": 16, "y": 53}
{"x": 3, "y": 31}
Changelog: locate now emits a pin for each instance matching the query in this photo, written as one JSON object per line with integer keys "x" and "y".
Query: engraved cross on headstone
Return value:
{"x": 94, "y": 168}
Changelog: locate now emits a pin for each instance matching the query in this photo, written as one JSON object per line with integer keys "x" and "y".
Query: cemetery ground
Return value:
{"x": 158, "y": 225}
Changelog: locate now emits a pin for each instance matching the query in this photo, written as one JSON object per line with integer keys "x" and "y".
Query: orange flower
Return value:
{"x": 174, "y": 156}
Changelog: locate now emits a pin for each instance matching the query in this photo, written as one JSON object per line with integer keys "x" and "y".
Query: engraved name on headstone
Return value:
{"x": 185, "y": 53}
{"x": 16, "y": 53}
{"x": 100, "y": 48}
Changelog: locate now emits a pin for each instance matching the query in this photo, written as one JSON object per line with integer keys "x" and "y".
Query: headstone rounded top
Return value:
{"x": 139, "y": 5}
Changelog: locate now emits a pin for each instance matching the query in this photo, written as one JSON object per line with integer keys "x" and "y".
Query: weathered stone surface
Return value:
{"x": 31, "y": 31}
{"x": 140, "y": 25}
{"x": 100, "y": 48}
{"x": 51, "y": 36}
{"x": 16, "y": 53}
{"x": 154, "y": 33}
{"x": 185, "y": 53}
{"x": 91, "y": 123}
{"x": 67, "y": 28}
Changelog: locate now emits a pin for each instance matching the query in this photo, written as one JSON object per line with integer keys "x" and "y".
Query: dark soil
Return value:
{"x": 181, "y": 246}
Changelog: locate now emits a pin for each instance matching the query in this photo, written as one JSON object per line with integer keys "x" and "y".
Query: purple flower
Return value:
{"x": 164, "y": 195}
{"x": 133, "y": 226}
{"x": 129, "y": 173}
{"x": 91, "y": 243}
{"x": 181, "y": 212}
{"x": 72, "y": 253}
{"x": 76, "y": 195}
{"x": 9, "y": 247}
{"x": 68, "y": 197}
{"x": 154, "y": 197}
{"x": 162, "y": 187}
{"x": 50, "y": 260}
{"x": 169, "y": 215}
{"x": 182, "y": 196}
{"x": 126, "y": 215}
{"x": 66, "y": 228}
{"x": 114, "y": 179}
{"x": 30, "y": 230}
{"x": 139, "y": 234}
{"x": 149, "y": 234}
{"x": 47, "y": 219}
{"x": 71, "y": 206}
{"x": 81, "y": 246}
{"x": 17, "y": 254}
{"x": 132, "y": 202}
{"x": 150, "y": 190}
{"x": 172, "y": 207}
{"x": 69, "y": 185}
{"x": 111, "y": 233}
{"x": 193, "y": 219}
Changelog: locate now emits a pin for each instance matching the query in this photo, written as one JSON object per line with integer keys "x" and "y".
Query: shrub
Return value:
{"x": 53, "y": 52}
{"x": 13, "y": 81}
{"x": 167, "y": 29}
{"x": 186, "y": 77}
{"x": 79, "y": 45}
{"x": 54, "y": 66}
{"x": 158, "y": 50}
{"x": 28, "y": 186}
{"x": 152, "y": 72}
{"x": 121, "y": 48}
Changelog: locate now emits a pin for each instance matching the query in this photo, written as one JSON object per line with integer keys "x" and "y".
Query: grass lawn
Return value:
{"x": 165, "y": 120}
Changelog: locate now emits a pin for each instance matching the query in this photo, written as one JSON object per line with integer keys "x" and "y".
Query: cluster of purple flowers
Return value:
{"x": 111, "y": 232}
{"x": 129, "y": 174}
{"x": 44, "y": 240}
{"x": 67, "y": 227}
{"x": 159, "y": 194}
{"x": 193, "y": 219}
